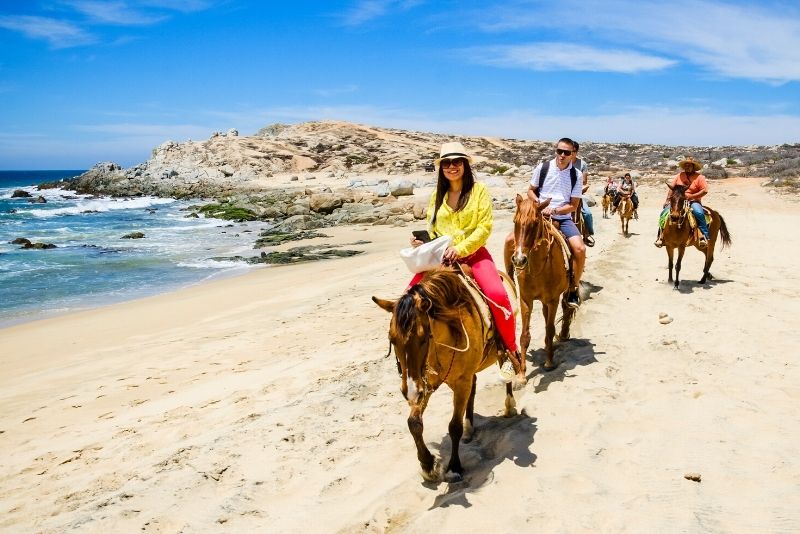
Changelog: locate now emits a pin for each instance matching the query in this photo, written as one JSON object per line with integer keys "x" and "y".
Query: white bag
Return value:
{"x": 426, "y": 256}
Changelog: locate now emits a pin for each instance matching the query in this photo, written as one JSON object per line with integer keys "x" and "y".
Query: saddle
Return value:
{"x": 482, "y": 303}
{"x": 695, "y": 235}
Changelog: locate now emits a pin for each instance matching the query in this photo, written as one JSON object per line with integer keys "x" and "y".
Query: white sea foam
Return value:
{"x": 99, "y": 205}
{"x": 215, "y": 264}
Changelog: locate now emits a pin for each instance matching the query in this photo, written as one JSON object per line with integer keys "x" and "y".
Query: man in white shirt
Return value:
{"x": 559, "y": 181}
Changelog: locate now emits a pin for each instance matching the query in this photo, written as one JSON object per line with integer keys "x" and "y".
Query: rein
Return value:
{"x": 545, "y": 233}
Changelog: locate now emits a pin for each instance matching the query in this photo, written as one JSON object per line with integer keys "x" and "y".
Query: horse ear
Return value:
{"x": 544, "y": 204}
{"x": 387, "y": 305}
{"x": 519, "y": 199}
{"x": 425, "y": 304}
{"x": 669, "y": 185}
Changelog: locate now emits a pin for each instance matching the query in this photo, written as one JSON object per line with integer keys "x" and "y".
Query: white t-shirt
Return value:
{"x": 557, "y": 184}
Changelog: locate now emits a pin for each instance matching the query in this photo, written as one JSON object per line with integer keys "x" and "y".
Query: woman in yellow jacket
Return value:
{"x": 462, "y": 208}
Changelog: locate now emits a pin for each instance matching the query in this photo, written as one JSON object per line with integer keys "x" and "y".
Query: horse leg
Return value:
{"x": 567, "y": 314}
{"x": 549, "y": 313}
{"x": 709, "y": 252}
{"x": 511, "y": 404}
{"x": 525, "y": 334}
{"x": 430, "y": 468}
{"x": 681, "y": 250}
{"x": 461, "y": 396}
{"x": 670, "y": 252}
{"x": 468, "y": 417}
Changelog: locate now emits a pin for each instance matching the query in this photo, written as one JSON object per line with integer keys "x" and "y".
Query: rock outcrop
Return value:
{"x": 259, "y": 176}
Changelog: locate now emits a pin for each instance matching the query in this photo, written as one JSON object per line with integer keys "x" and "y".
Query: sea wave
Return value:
{"x": 98, "y": 205}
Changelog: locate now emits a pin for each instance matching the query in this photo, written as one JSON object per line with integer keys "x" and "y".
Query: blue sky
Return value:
{"x": 83, "y": 81}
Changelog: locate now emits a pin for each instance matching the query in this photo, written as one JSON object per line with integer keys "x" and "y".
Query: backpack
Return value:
{"x": 573, "y": 175}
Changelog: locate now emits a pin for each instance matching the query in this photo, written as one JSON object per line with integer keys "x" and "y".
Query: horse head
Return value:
{"x": 527, "y": 222}
{"x": 437, "y": 297}
{"x": 677, "y": 203}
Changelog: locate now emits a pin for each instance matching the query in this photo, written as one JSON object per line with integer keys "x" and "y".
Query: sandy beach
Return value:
{"x": 266, "y": 402}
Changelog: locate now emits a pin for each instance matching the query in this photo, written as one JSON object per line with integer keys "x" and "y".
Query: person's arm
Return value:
{"x": 532, "y": 194}
{"x": 566, "y": 209}
{"x": 702, "y": 189}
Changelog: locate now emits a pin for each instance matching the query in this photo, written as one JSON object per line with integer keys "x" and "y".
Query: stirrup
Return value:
{"x": 507, "y": 372}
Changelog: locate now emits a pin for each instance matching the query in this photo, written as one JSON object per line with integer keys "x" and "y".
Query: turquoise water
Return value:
{"x": 91, "y": 265}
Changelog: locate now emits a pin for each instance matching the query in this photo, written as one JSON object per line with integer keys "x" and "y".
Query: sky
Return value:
{"x": 84, "y": 81}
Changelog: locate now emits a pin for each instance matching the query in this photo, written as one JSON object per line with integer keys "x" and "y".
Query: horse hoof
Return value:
{"x": 519, "y": 382}
{"x": 550, "y": 367}
{"x": 434, "y": 474}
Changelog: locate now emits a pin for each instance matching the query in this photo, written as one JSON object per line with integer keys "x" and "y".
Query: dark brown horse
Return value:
{"x": 678, "y": 233}
{"x": 542, "y": 270}
{"x": 625, "y": 209}
{"x": 439, "y": 338}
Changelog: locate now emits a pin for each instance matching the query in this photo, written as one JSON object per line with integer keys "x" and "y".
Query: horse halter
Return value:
{"x": 678, "y": 207}
{"x": 533, "y": 233}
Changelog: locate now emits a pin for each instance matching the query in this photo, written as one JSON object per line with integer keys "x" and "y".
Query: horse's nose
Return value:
{"x": 519, "y": 260}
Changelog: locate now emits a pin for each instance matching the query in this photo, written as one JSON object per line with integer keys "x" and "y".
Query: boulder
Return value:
{"x": 401, "y": 188}
{"x": 325, "y": 202}
{"x": 133, "y": 235}
{"x": 20, "y": 193}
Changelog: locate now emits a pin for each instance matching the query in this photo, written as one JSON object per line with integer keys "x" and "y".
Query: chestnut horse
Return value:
{"x": 625, "y": 209}
{"x": 606, "y": 204}
{"x": 678, "y": 233}
{"x": 542, "y": 272}
{"x": 439, "y": 337}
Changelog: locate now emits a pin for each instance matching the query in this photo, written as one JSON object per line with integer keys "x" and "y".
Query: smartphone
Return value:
{"x": 422, "y": 235}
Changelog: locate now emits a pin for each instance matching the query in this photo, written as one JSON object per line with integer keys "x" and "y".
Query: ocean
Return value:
{"x": 92, "y": 265}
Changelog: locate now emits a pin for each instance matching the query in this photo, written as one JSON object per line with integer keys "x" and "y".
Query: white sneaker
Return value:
{"x": 507, "y": 372}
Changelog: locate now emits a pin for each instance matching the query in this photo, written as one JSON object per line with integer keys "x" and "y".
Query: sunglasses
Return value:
{"x": 562, "y": 152}
{"x": 458, "y": 162}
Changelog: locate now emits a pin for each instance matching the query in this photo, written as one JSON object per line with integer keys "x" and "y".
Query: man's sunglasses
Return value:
{"x": 458, "y": 162}
{"x": 562, "y": 152}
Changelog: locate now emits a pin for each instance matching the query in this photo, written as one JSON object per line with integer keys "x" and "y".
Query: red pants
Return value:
{"x": 485, "y": 272}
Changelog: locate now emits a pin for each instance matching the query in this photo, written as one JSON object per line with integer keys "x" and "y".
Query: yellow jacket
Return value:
{"x": 470, "y": 227}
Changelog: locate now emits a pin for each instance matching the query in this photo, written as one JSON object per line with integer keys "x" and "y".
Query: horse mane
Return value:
{"x": 442, "y": 295}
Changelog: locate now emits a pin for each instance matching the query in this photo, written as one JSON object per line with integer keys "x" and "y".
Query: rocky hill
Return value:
{"x": 322, "y": 173}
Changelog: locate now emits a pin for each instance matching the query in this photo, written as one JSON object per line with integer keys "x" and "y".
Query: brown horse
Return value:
{"x": 678, "y": 233}
{"x": 606, "y": 204}
{"x": 439, "y": 338}
{"x": 541, "y": 266}
{"x": 625, "y": 209}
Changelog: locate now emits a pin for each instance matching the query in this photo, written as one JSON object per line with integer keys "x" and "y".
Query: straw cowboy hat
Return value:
{"x": 451, "y": 151}
{"x": 696, "y": 164}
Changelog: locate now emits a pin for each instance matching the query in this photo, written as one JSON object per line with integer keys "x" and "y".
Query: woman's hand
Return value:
{"x": 450, "y": 255}
{"x": 548, "y": 211}
{"x": 415, "y": 242}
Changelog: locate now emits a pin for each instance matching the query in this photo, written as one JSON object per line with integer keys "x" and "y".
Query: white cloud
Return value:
{"x": 756, "y": 41}
{"x": 364, "y": 11}
{"x": 59, "y": 33}
{"x": 557, "y": 56}
{"x": 119, "y": 13}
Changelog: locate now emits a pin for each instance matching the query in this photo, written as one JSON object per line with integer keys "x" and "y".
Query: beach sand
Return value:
{"x": 267, "y": 402}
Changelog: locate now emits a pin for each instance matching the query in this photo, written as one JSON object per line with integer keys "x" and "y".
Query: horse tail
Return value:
{"x": 723, "y": 231}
